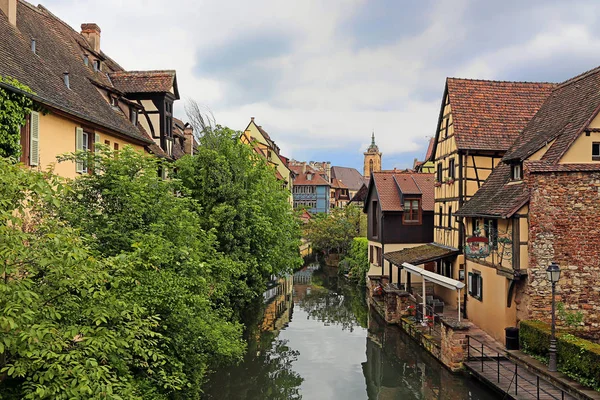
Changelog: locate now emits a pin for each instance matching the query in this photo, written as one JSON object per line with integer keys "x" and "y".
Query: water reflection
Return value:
{"x": 397, "y": 368}
{"x": 309, "y": 339}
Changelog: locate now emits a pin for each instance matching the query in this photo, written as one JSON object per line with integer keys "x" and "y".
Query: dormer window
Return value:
{"x": 114, "y": 102}
{"x": 133, "y": 116}
{"x": 86, "y": 60}
{"x": 517, "y": 172}
{"x": 596, "y": 151}
{"x": 97, "y": 65}
{"x": 309, "y": 177}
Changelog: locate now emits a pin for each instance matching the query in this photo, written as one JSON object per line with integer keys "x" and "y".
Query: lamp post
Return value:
{"x": 553, "y": 275}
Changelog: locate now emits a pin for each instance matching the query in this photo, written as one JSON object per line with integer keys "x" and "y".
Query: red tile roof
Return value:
{"x": 300, "y": 178}
{"x": 144, "y": 81}
{"x": 60, "y": 49}
{"x": 391, "y": 186}
{"x": 564, "y": 116}
{"x": 489, "y": 115}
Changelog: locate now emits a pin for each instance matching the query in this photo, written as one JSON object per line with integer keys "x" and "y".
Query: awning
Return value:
{"x": 420, "y": 254}
{"x": 438, "y": 279}
{"x": 433, "y": 277}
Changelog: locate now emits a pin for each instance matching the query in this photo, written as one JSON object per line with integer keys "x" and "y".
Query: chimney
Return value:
{"x": 91, "y": 32}
{"x": 303, "y": 168}
{"x": 251, "y": 119}
{"x": 188, "y": 132}
{"x": 9, "y": 8}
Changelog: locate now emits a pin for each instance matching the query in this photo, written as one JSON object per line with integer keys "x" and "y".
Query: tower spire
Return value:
{"x": 373, "y": 139}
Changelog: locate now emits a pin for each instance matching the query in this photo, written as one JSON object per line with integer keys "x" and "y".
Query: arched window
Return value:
{"x": 371, "y": 166}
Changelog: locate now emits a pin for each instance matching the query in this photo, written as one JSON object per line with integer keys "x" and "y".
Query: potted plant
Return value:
{"x": 411, "y": 310}
{"x": 437, "y": 184}
{"x": 449, "y": 181}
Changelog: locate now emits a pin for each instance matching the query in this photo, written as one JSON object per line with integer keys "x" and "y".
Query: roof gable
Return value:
{"x": 145, "y": 82}
{"x": 60, "y": 49}
{"x": 562, "y": 118}
{"x": 489, "y": 115}
{"x": 391, "y": 187}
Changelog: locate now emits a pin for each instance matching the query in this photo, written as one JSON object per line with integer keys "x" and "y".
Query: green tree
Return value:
{"x": 245, "y": 207}
{"x": 14, "y": 108}
{"x": 358, "y": 260}
{"x": 333, "y": 232}
{"x": 128, "y": 211}
{"x": 64, "y": 331}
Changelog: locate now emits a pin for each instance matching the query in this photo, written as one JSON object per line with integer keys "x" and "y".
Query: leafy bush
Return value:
{"x": 358, "y": 259}
{"x": 577, "y": 358}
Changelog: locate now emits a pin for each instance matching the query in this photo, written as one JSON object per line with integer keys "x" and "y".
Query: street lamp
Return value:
{"x": 553, "y": 275}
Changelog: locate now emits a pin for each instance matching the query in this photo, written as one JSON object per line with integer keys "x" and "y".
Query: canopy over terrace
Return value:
{"x": 407, "y": 258}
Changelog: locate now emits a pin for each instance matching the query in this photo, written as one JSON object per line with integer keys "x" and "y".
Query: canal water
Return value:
{"x": 314, "y": 338}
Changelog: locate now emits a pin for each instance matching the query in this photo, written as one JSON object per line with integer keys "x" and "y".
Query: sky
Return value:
{"x": 321, "y": 75}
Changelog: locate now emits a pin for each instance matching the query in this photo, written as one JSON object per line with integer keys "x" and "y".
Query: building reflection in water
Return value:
{"x": 397, "y": 368}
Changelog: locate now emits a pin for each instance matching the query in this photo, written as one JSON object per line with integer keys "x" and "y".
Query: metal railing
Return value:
{"x": 511, "y": 373}
{"x": 429, "y": 320}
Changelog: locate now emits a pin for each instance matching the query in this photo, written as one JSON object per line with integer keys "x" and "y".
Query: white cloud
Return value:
{"x": 320, "y": 91}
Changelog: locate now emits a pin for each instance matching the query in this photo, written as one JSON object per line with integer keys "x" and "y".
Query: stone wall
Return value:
{"x": 454, "y": 345}
{"x": 564, "y": 226}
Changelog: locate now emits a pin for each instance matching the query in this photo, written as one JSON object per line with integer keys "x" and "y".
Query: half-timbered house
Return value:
{"x": 399, "y": 208}
{"x": 540, "y": 205}
{"x": 478, "y": 121}
{"x": 86, "y": 97}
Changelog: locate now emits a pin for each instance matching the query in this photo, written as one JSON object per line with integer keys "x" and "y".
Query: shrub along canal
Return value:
{"x": 314, "y": 338}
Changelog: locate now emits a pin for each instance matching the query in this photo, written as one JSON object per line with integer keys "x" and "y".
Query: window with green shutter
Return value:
{"x": 34, "y": 139}
{"x": 475, "y": 283}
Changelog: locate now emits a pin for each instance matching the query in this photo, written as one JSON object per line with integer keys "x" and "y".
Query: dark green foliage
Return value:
{"x": 14, "y": 108}
{"x": 577, "y": 358}
{"x": 358, "y": 260}
{"x": 64, "y": 332}
{"x": 130, "y": 211}
{"x": 244, "y": 206}
{"x": 333, "y": 232}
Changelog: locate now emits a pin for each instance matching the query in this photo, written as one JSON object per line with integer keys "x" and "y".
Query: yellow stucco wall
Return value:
{"x": 57, "y": 136}
{"x": 490, "y": 313}
{"x": 581, "y": 150}
{"x": 253, "y": 132}
{"x": 390, "y": 247}
{"x": 540, "y": 153}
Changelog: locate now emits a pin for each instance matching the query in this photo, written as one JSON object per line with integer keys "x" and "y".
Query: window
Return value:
{"x": 596, "y": 151}
{"x": 114, "y": 102}
{"x": 371, "y": 166}
{"x": 375, "y": 216}
{"x": 475, "y": 284}
{"x": 97, "y": 65}
{"x": 116, "y": 146}
{"x": 107, "y": 143}
{"x": 444, "y": 268}
{"x": 517, "y": 172}
{"x": 475, "y": 225}
{"x": 450, "y": 217}
{"x": 412, "y": 211}
{"x": 451, "y": 168}
{"x": 491, "y": 232}
{"x": 133, "y": 116}
{"x": 85, "y": 138}
{"x": 34, "y": 138}
{"x": 439, "y": 171}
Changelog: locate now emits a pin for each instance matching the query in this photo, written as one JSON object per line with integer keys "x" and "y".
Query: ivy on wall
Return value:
{"x": 14, "y": 109}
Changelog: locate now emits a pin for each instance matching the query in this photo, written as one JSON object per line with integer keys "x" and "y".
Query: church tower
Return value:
{"x": 372, "y": 158}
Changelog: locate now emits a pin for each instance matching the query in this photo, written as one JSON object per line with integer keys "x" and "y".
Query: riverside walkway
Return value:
{"x": 492, "y": 366}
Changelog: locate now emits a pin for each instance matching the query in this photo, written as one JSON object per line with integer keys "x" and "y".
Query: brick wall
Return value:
{"x": 564, "y": 226}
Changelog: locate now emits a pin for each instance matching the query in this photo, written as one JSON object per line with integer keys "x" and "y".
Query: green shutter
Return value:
{"x": 96, "y": 151}
{"x": 34, "y": 138}
{"x": 470, "y": 283}
{"x": 79, "y": 147}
